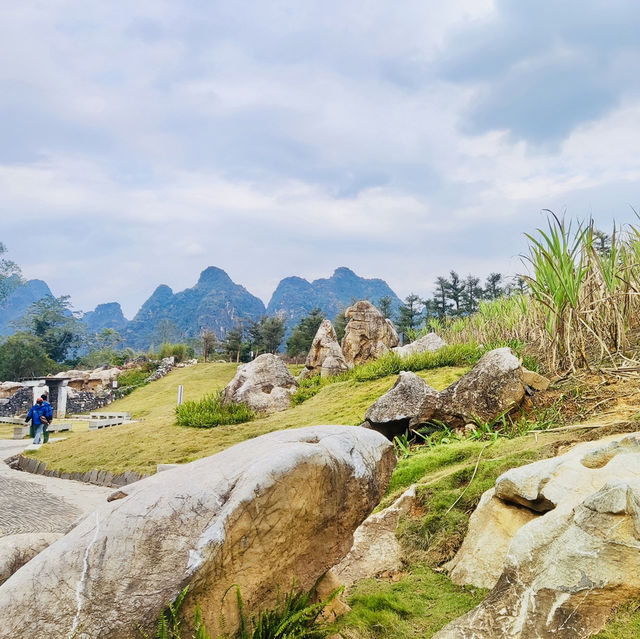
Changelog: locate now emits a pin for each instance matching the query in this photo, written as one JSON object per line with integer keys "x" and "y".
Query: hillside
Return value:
{"x": 18, "y": 301}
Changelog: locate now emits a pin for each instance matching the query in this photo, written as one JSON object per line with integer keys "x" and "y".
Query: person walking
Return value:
{"x": 48, "y": 415}
{"x": 37, "y": 416}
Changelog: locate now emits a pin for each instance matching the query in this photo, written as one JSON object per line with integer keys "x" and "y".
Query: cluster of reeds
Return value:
{"x": 582, "y": 305}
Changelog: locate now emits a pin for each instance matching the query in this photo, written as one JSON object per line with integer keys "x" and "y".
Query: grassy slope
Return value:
{"x": 156, "y": 439}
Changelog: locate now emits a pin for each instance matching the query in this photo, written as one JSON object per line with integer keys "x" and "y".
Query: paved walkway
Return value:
{"x": 35, "y": 503}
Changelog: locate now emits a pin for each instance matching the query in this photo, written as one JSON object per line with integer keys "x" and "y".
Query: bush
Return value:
{"x": 210, "y": 411}
{"x": 181, "y": 352}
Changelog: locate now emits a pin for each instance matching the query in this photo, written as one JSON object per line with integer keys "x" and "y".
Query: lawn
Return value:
{"x": 157, "y": 439}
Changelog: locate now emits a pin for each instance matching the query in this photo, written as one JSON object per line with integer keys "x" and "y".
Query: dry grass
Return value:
{"x": 156, "y": 439}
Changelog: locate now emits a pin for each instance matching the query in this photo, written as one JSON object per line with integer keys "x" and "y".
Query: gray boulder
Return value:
{"x": 265, "y": 385}
{"x": 271, "y": 509}
{"x": 429, "y": 343}
{"x": 391, "y": 413}
{"x": 17, "y": 550}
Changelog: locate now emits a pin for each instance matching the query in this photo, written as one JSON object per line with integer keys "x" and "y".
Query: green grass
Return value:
{"x": 157, "y": 438}
{"x": 625, "y": 624}
{"x": 210, "y": 411}
{"x": 418, "y": 605}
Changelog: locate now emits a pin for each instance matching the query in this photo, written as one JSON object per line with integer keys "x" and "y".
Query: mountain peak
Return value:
{"x": 214, "y": 276}
{"x": 343, "y": 271}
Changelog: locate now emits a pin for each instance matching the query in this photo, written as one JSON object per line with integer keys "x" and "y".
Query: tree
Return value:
{"x": 385, "y": 304}
{"x": 472, "y": 294}
{"x": 302, "y": 335}
{"x": 24, "y": 355}
{"x": 10, "y": 275}
{"x": 441, "y": 305}
{"x": 266, "y": 334}
{"x": 455, "y": 292}
{"x": 52, "y": 320}
{"x": 233, "y": 343}
{"x": 209, "y": 343}
{"x": 409, "y": 314}
{"x": 492, "y": 288}
{"x": 340, "y": 324}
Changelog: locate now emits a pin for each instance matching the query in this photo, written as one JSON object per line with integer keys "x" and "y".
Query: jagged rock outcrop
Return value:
{"x": 559, "y": 541}
{"x": 265, "y": 385}
{"x": 492, "y": 387}
{"x": 17, "y": 550}
{"x": 376, "y": 549}
{"x": 7, "y": 389}
{"x": 259, "y": 514}
{"x": 325, "y": 355}
{"x": 429, "y": 343}
{"x": 368, "y": 335}
{"x": 391, "y": 413}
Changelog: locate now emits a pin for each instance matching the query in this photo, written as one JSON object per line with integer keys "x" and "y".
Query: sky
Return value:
{"x": 141, "y": 142}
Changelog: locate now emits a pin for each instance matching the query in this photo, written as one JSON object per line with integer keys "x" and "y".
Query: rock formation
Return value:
{"x": 559, "y": 540}
{"x": 259, "y": 514}
{"x": 376, "y": 549}
{"x": 368, "y": 335}
{"x": 429, "y": 343}
{"x": 492, "y": 387}
{"x": 17, "y": 550}
{"x": 265, "y": 385}
{"x": 391, "y": 413}
{"x": 325, "y": 356}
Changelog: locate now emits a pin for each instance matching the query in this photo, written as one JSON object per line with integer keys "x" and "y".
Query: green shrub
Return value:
{"x": 210, "y": 411}
{"x": 181, "y": 352}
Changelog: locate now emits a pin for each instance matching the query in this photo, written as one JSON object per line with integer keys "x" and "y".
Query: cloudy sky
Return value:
{"x": 143, "y": 141}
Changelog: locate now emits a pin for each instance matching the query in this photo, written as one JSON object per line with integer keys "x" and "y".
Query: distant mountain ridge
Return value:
{"x": 215, "y": 303}
{"x": 295, "y": 297}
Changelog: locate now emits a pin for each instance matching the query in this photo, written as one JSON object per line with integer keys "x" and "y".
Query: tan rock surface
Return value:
{"x": 265, "y": 385}
{"x": 368, "y": 335}
{"x": 376, "y": 549}
{"x": 280, "y": 506}
{"x": 325, "y": 356}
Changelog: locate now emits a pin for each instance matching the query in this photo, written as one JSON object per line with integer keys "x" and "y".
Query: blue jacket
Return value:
{"x": 36, "y": 412}
{"x": 49, "y": 412}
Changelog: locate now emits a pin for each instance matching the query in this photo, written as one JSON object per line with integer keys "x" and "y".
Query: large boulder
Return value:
{"x": 17, "y": 550}
{"x": 280, "y": 507}
{"x": 265, "y": 385}
{"x": 368, "y": 335}
{"x": 431, "y": 343}
{"x": 558, "y": 541}
{"x": 8, "y": 389}
{"x": 492, "y": 387}
{"x": 325, "y": 355}
{"x": 391, "y": 413}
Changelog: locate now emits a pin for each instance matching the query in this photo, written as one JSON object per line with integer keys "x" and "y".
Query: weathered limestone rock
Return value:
{"x": 325, "y": 356}
{"x": 376, "y": 549}
{"x": 368, "y": 335}
{"x": 7, "y": 389}
{"x": 557, "y": 573}
{"x": 480, "y": 559}
{"x": 391, "y": 413}
{"x": 17, "y": 550}
{"x": 265, "y": 385}
{"x": 429, "y": 343}
{"x": 280, "y": 506}
{"x": 492, "y": 387}
{"x": 565, "y": 572}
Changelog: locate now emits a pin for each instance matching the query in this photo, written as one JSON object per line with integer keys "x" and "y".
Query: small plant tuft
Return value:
{"x": 209, "y": 412}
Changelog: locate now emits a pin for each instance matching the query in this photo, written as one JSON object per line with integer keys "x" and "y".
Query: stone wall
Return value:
{"x": 85, "y": 401}
{"x": 18, "y": 404}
